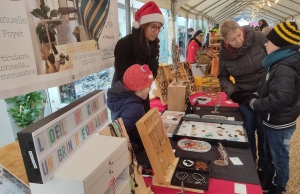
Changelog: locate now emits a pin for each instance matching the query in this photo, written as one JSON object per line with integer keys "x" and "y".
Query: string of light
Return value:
{"x": 260, "y": 4}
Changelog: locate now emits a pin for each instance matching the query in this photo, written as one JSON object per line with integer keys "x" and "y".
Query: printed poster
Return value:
{"x": 76, "y": 45}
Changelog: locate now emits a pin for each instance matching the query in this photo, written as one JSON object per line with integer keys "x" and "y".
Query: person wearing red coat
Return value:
{"x": 194, "y": 45}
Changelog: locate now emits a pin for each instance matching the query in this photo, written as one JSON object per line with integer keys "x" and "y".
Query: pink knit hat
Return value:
{"x": 137, "y": 77}
{"x": 149, "y": 12}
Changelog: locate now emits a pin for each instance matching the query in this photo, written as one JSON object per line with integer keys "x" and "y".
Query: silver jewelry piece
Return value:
{"x": 187, "y": 163}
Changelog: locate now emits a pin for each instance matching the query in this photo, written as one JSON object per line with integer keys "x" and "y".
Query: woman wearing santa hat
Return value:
{"x": 142, "y": 45}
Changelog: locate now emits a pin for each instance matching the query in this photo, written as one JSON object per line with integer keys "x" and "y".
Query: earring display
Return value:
{"x": 223, "y": 161}
{"x": 212, "y": 131}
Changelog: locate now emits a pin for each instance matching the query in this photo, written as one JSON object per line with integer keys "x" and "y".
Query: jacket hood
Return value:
{"x": 118, "y": 96}
{"x": 249, "y": 41}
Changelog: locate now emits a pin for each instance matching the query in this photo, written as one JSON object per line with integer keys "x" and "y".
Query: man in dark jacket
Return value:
{"x": 278, "y": 101}
{"x": 125, "y": 100}
{"x": 241, "y": 54}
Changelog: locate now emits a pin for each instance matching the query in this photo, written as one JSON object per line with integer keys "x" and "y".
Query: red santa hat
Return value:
{"x": 149, "y": 12}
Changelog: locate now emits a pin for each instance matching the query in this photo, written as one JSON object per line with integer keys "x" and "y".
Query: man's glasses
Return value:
{"x": 154, "y": 28}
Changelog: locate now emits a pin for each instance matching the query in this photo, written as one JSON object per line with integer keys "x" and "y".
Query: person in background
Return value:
{"x": 216, "y": 28}
{"x": 142, "y": 45}
{"x": 125, "y": 100}
{"x": 241, "y": 54}
{"x": 278, "y": 102}
{"x": 194, "y": 45}
{"x": 264, "y": 27}
{"x": 190, "y": 33}
{"x": 256, "y": 28}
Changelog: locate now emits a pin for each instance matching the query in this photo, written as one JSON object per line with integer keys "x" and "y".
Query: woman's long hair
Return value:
{"x": 265, "y": 24}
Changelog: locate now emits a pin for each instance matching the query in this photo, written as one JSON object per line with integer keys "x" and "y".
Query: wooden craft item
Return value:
{"x": 214, "y": 66}
{"x": 166, "y": 75}
{"x": 161, "y": 83}
{"x": 142, "y": 188}
{"x": 159, "y": 149}
{"x": 176, "y": 96}
{"x": 175, "y": 59}
{"x": 157, "y": 146}
{"x": 190, "y": 76}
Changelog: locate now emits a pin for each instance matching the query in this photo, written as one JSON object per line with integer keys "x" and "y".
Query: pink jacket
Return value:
{"x": 193, "y": 47}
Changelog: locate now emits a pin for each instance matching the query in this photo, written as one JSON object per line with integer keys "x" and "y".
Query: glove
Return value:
{"x": 251, "y": 99}
{"x": 238, "y": 97}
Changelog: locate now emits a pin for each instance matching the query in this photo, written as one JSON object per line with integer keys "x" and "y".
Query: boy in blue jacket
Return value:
{"x": 125, "y": 100}
{"x": 278, "y": 102}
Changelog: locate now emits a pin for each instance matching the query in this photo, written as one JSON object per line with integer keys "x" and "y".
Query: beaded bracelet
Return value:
{"x": 183, "y": 175}
{"x": 200, "y": 166}
{"x": 187, "y": 163}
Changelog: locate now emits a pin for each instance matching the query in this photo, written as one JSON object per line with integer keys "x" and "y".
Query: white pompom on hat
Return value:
{"x": 149, "y": 12}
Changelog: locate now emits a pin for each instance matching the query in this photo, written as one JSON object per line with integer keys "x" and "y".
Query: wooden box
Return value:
{"x": 176, "y": 96}
{"x": 92, "y": 170}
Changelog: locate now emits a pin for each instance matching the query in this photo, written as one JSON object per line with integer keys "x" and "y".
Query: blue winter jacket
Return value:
{"x": 128, "y": 106}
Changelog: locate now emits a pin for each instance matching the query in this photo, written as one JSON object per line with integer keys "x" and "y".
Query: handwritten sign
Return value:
{"x": 55, "y": 141}
{"x": 105, "y": 41}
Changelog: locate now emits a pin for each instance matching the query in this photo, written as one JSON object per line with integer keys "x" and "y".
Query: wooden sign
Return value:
{"x": 47, "y": 144}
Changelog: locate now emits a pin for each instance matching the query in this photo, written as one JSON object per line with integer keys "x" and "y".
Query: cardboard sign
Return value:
{"x": 47, "y": 144}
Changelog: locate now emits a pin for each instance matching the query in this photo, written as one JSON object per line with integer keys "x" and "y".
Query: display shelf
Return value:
{"x": 91, "y": 169}
{"x": 142, "y": 188}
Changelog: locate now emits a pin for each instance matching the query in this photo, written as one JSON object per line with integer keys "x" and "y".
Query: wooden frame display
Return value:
{"x": 142, "y": 188}
{"x": 159, "y": 149}
{"x": 166, "y": 75}
{"x": 161, "y": 83}
{"x": 229, "y": 133}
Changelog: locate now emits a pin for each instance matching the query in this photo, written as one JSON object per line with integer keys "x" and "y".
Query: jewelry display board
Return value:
{"x": 166, "y": 75}
{"x": 229, "y": 133}
{"x": 158, "y": 149}
{"x": 161, "y": 83}
{"x": 193, "y": 173}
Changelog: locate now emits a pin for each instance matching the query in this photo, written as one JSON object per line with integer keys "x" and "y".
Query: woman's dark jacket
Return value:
{"x": 244, "y": 64}
{"x": 279, "y": 99}
{"x": 128, "y": 106}
{"x": 132, "y": 49}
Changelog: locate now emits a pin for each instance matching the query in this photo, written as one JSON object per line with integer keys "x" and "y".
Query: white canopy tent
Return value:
{"x": 216, "y": 11}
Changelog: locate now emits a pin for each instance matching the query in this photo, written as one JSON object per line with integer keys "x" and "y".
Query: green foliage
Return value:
{"x": 26, "y": 108}
{"x": 44, "y": 13}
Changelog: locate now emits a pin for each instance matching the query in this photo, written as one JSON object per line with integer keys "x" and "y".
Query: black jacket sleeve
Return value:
{"x": 123, "y": 55}
{"x": 280, "y": 91}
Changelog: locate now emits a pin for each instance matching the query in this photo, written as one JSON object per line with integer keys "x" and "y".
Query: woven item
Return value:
{"x": 93, "y": 15}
